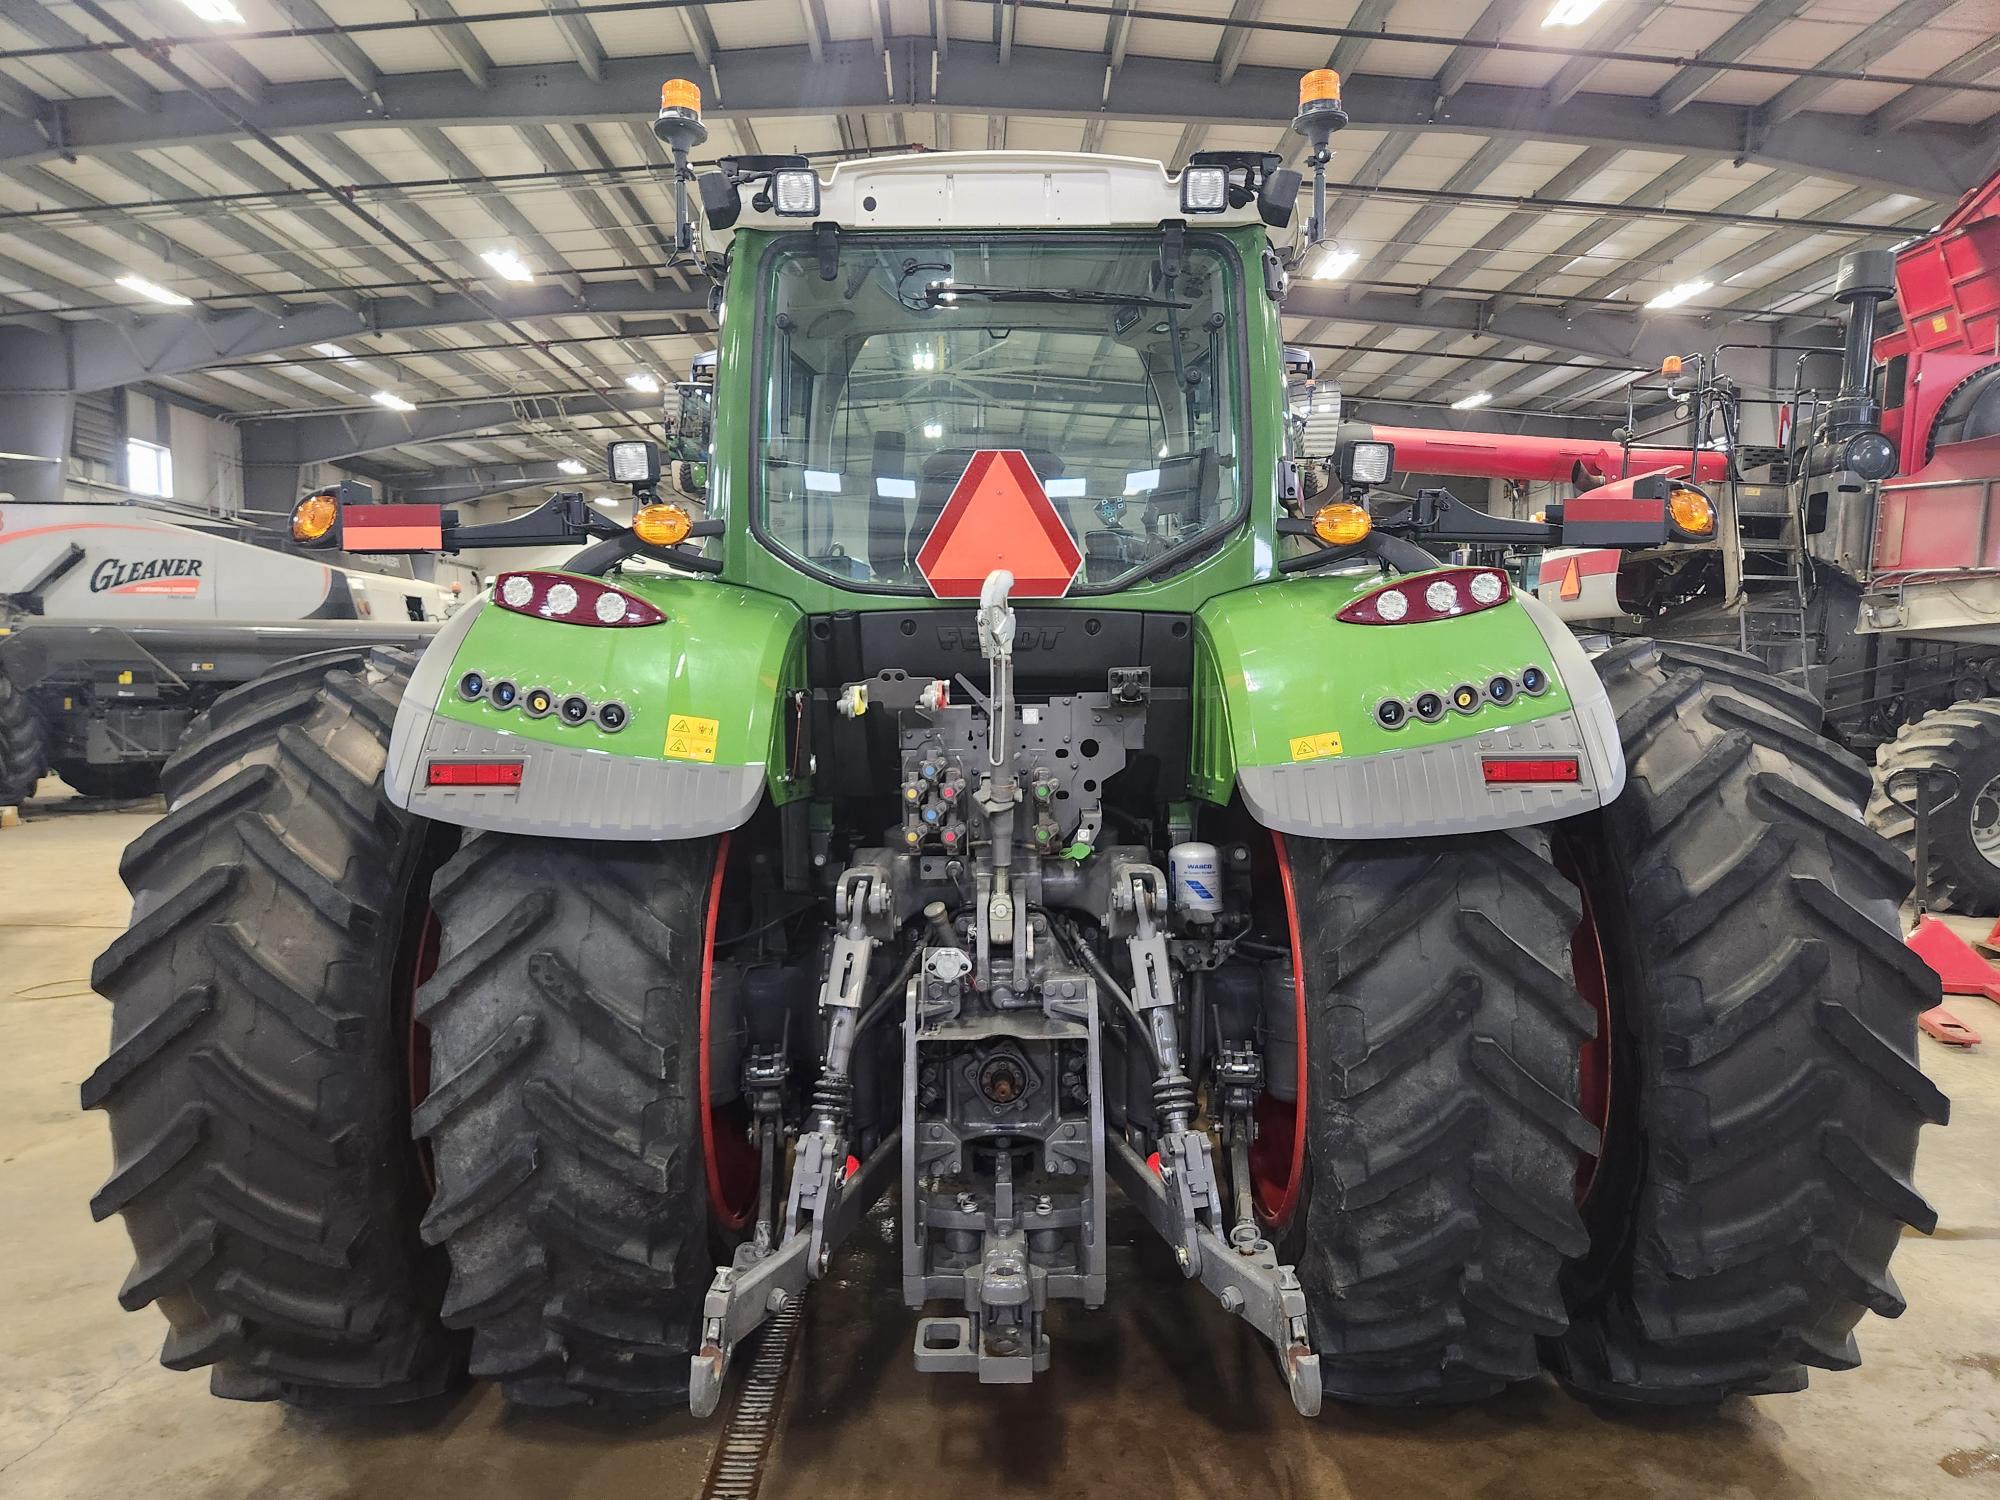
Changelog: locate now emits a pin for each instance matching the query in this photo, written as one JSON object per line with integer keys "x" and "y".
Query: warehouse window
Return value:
{"x": 149, "y": 468}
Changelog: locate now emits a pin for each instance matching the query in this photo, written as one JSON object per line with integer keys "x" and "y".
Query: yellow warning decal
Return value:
{"x": 1316, "y": 746}
{"x": 691, "y": 738}
{"x": 1940, "y": 325}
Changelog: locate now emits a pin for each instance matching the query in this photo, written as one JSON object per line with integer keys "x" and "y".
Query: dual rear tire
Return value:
{"x": 1458, "y": 1223}
{"x": 282, "y": 1000}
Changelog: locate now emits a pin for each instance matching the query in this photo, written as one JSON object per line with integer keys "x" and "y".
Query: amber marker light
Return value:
{"x": 661, "y": 525}
{"x": 313, "y": 518}
{"x": 1691, "y": 512}
{"x": 1342, "y": 524}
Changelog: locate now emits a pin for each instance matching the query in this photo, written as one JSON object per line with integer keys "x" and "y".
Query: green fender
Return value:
{"x": 1285, "y": 703}
{"x": 702, "y": 738}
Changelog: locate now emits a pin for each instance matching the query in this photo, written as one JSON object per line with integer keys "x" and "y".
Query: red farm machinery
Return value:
{"x": 1856, "y": 540}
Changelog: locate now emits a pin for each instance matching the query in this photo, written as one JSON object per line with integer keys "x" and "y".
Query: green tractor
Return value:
{"x": 1002, "y": 783}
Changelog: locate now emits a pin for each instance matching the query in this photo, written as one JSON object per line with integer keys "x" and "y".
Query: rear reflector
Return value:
{"x": 476, "y": 772}
{"x": 1500, "y": 772}
{"x": 391, "y": 528}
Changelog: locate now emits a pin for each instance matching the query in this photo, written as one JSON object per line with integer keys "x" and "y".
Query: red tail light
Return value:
{"x": 1558, "y": 768}
{"x": 572, "y": 600}
{"x": 475, "y": 772}
{"x": 1444, "y": 595}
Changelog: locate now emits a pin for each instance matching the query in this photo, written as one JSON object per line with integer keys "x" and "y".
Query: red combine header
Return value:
{"x": 1583, "y": 462}
{"x": 1939, "y": 381}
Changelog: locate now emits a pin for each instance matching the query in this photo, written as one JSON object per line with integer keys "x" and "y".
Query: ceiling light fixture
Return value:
{"x": 1467, "y": 403}
{"x": 331, "y": 351}
{"x": 643, "y": 383}
{"x": 569, "y": 466}
{"x": 507, "y": 264}
{"x": 393, "y": 401}
{"x": 1572, "y": 12}
{"x": 219, "y": 11}
{"x": 153, "y": 291}
{"x": 1675, "y": 295}
{"x": 1335, "y": 264}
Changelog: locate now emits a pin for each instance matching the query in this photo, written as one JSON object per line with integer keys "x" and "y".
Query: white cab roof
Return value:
{"x": 996, "y": 190}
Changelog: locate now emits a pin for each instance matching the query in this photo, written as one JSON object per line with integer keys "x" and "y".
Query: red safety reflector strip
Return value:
{"x": 475, "y": 772}
{"x": 1554, "y": 768}
{"x": 1587, "y": 508}
{"x": 391, "y": 528}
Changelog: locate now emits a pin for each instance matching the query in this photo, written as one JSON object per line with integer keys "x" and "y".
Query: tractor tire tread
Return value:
{"x": 564, "y": 1033}
{"x": 1961, "y": 878}
{"x": 24, "y": 744}
{"x": 254, "y": 1077}
{"x": 1444, "y": 1132}
{"x": 1771, "y": 1019}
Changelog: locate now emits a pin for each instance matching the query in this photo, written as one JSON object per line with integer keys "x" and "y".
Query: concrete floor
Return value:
{"x": 1159, "y": 1395}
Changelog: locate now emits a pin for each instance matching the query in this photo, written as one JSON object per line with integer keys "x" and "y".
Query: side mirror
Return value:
{"x": 688, "y": 427}
{"x": 1277, "y": 198}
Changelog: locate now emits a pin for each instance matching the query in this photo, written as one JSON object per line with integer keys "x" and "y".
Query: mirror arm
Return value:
{"x": 563, "y": 518}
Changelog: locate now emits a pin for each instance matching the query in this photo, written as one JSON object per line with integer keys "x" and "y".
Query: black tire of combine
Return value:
{"x": 1965, "y": 740}
{"x": 1435, "y": 1203}
{"x": 566, "y": 1113}
{"x": 24, "y": 745}
{"x": 257, "y": 1081}
{"x": 1766, "y": 1098}
{"x": 114, "y": 783}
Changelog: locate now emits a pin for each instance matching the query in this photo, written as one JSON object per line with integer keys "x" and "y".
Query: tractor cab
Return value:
{"x": 1109, "y": 323}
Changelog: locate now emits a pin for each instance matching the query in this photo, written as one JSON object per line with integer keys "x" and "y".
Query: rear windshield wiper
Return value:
{"x": 951, "y": 291}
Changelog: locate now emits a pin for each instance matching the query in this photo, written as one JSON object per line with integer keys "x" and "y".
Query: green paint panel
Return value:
{"x": 1273, "y": 665}
{"x": 725, "y": 655}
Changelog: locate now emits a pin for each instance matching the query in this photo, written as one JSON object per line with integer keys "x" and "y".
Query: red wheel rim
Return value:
{"x": 1593, "y": 982}
{"x": 729, "y": 1159}
{"x": 1278, "y": 1151}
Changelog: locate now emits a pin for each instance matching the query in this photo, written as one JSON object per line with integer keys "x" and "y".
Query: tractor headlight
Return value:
{"x": 1204, "y": 190}
{"x": 634, "y": 462}
{"x": 795, "y": 194}
{"x": 1367, "y": 463}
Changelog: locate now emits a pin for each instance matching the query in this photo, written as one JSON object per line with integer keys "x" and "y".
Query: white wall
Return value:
{"x": 208, "y": 461}
{"x": 208, "y": 457}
